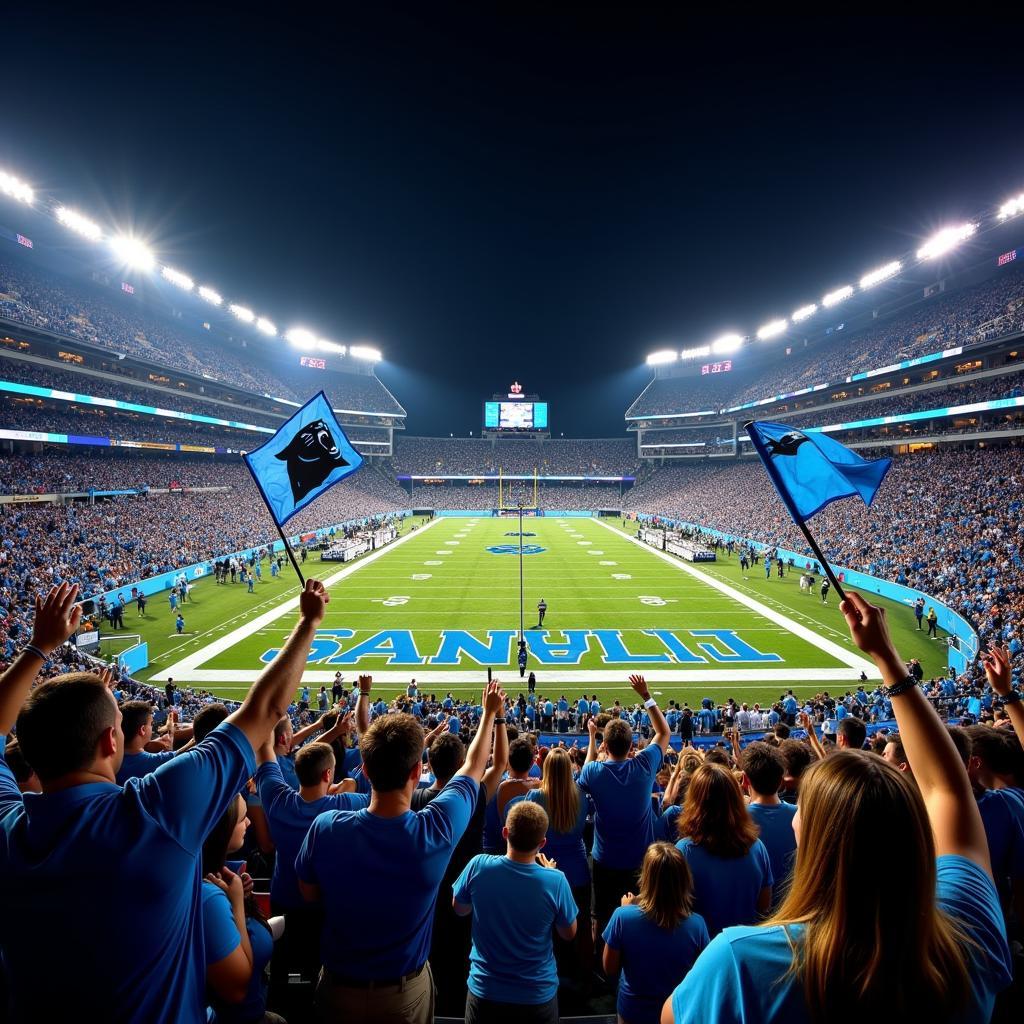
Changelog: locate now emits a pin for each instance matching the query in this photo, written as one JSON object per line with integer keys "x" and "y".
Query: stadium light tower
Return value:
{"x": 873, "y": 277}
{"x": 176, "y": 277}
{"x": 243, "y": 313}
{"x": 211, "y": 296}
{"x": 696, "y": 352}
{"x": 302, "y": 339}
{"x": 367, "y": 352}
{"x": 266, "y": 326}
{"x": 772, "y": 329}
{"x": 80, "y": 225}
{"x": 15, "y": 188}
{"x": 331, "y": 346}
{"x": 804, "y": 312}
{"x": 726, "y": 343}
{"x": 945, "y": 241}
{"x": 1012, "y": 207}
{"x": 661, "y": 357}
{"x": 833, "y": 298}
{"x": 132, "y": 252}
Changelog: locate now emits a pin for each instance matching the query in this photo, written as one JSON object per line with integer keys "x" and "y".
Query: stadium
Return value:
{"x": 135, "y": 396}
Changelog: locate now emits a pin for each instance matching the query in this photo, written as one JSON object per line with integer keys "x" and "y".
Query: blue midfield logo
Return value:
{"x": 513, "y": 549}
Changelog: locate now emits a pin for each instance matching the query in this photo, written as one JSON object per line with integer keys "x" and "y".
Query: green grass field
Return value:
{"x": 440, "y": 605}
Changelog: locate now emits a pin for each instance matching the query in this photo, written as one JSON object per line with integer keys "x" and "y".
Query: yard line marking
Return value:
{"x": 221, "y": 644}
{"x": 815, "y": 639}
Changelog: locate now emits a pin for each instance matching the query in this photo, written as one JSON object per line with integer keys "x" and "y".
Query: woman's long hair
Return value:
{"x": 215, "y": 853}
{"x": 876, "y": 948}
{"x": 714, "y": 815}
{"x": 666, "y": 886}
{"x": 561, "y": 794}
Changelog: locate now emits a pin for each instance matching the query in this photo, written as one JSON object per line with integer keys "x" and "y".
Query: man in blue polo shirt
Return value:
{"x": 65, "y": 851}
{"x": 398, "y": 857}
{"x": 140, "y": 758}
{"x": 621, "y": 789}
{"x": 515, "y": 902}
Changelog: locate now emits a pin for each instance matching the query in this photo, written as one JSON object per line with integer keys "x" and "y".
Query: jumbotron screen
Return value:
{"x": 516, "y": 415}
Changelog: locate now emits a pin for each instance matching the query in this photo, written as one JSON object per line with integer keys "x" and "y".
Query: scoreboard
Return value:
{"x": 515, "y": 415}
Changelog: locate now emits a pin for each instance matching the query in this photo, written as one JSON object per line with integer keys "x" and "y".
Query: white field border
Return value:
{"x": 188, "y": 670}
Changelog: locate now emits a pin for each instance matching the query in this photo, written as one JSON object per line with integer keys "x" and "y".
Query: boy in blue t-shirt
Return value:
{"x": 512, "y": 965}
{"x": 179, "y": 623}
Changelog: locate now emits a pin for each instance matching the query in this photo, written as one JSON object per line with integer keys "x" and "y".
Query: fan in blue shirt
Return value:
{"x": 654, "y": 938}
{"x": 65, "y": 851}
{"x": 137, "y": 729}
{"x": 839, "y": 951}
{"x": 763, "y": 771}
{"x": 399, "y": 857}
{"x": 515, "y": 901}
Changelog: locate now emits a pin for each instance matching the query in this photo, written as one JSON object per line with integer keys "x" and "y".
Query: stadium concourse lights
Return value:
{"x": 1012, "y": 207}
{"x": 15, "y": 188}
{"x": 79, "y": 224}
{"x": 726, "y": 343}
{"x": 132, "y": 252}
{"x": 833, "y": 298}
{"x": 661, "y": 357}
{"x": 367, "y": 352}
{"x": 945, "y": 241}
{"x": 874, "y": 277}
{"x": 772, "y": 329}
{"x": 697, "y": 352}
{"x": 176, "y": 277}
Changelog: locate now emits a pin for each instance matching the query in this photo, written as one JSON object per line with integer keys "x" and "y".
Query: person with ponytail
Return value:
{"x": 237, "y": 937}
{"x": 927, "y": 941}
{"x": 654, "y": 937}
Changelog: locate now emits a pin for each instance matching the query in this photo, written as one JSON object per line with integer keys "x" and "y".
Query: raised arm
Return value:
{"x": 938, "y": 769}
{"x": 592, "y": 745}
{"x": 267, "y": 701}
{"x": 662, "y": 733}
{"x": 499, "y": 757}
{"x": 56, "y": 618}
{"x": 996, "y": 661}
{"x": 804, "y": 720}
{"x": 480, "y": 749}
{"x": 363, "y": 704}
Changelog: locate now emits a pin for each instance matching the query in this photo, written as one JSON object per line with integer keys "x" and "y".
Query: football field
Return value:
{"x": 441, "y": 604}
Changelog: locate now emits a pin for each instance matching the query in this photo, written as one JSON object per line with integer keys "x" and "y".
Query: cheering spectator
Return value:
{"x": 654, "y": 937}
{"x": 512, "y": 948}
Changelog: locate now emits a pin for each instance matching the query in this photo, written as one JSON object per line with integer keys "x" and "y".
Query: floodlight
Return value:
{"x": 366, "y": 352}
{"x": 330, "y": 346}
{"x": 804, "y": 312}
{"x": 79, "y": 224}
{"x": 15, "y": 188}
{"x": 772, "y": 329}
{"x": 268, "y": 327}
{"x": 301, "y": 338}
{"x": 132, "y": 252}
{"x": 1012, "y": 207}
{"x": 243, "y": 313}
{"x": 945, "y": 240}
{"x": 695, "y": 353}
{"x": 178, "y": 278}
{"x": 665, "y": 355}
{"x": 874, "y": 277}
{"x": 210, "y": 295}
{"x": 838, "y": 295}
{"x": 727, "y": 343}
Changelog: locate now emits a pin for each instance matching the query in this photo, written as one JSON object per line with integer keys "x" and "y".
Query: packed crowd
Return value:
{"x": 451, "y": 456}
{"x": 548, "y": 496}
{"x": 964, "y": 317}
{"x": 945, "y": 522}
{"x": 120, "y": 323}
{"x": 499, "y": 879}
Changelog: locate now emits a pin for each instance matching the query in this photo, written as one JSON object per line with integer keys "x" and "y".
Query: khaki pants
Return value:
{"x": 412, "y": 1002}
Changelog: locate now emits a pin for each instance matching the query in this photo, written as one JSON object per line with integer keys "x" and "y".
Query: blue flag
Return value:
{"x": 810, "y": 470}
{"x": 308, "y": 455}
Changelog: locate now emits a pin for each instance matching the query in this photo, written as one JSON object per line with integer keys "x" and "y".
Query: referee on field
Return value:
{"x": 542, "y": 607}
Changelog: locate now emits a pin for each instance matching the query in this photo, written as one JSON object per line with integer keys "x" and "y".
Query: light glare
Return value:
{"x": 79, "y": 224}
{"x": 366, "y": 352}
{"x": 15, "y": 188}
{"x": 243, "y": 313}
{"x": 178, "y": 278}
{"x": 301, "y": 338}
{"x": 665, "y": 355}
{"x": 727, "y": 343}
{"x": 1012, "y": 207}
{"x": 874, "y": 277}
{"x": 772, "y": 329}
{"x": 835, "y": 297}
{"x": 210, "y": 295}
{"x": 804, "y": 312}
{"x": 945, "y": 240}
{"x": 697, "y": 352}
{"x": 268, "y": 327}
{"x": 132, "y": 252}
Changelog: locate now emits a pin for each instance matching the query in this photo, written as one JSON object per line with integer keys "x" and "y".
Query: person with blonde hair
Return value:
{"x": 654, "y": 937}
{"x": 566, "y": 806}
{"x": 930, "y": 942}
{"x": 732, "y": 871}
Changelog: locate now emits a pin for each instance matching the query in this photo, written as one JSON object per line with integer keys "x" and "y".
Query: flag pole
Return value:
{"x": 291, "y": 555}
{"x": 823, "y": 561}
{"x": 521, "y": 570}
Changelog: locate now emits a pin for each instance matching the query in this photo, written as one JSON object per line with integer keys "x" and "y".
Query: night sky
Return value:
{"x": 504, "y": 195}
